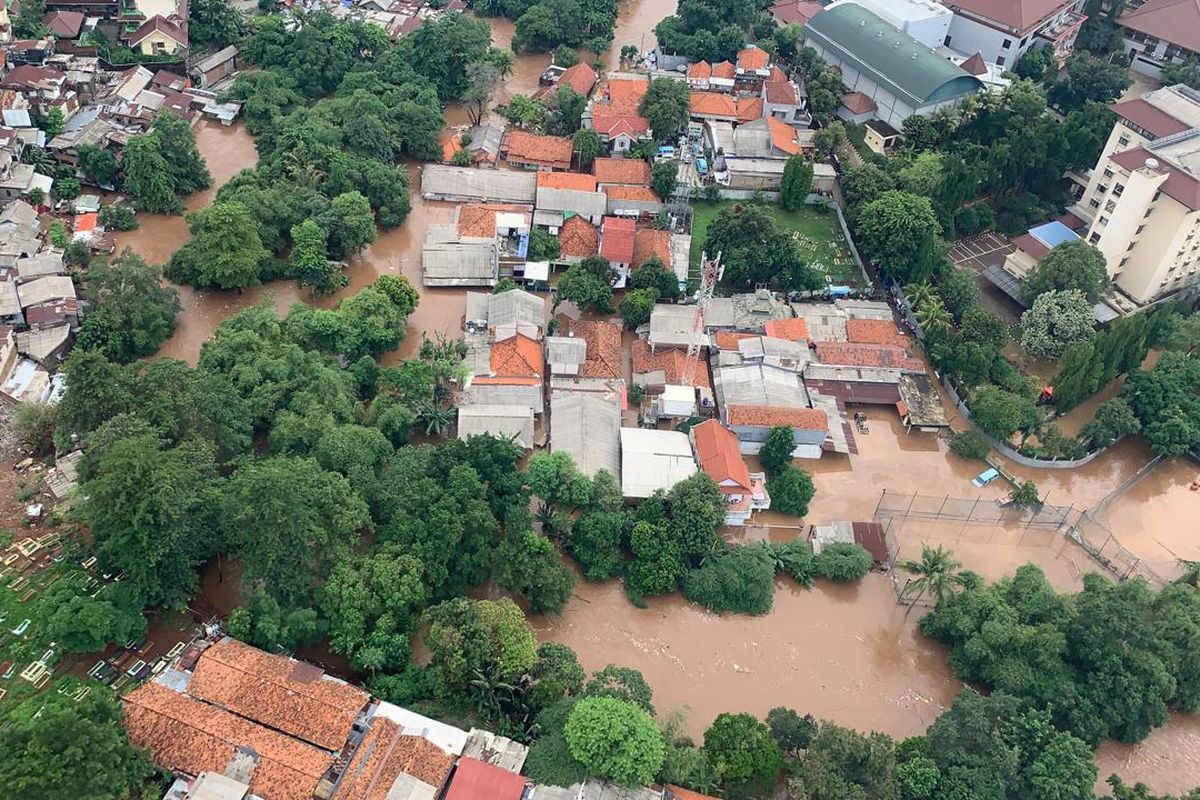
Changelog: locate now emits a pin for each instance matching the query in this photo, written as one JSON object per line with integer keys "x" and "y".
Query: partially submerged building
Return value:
{"x": 718, "y": 454}
{"x": 587, "y": 427}
{"x": 653, "y": 460}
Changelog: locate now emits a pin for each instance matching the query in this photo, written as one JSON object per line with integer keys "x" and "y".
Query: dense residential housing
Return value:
{"x": 1142, "y": 202}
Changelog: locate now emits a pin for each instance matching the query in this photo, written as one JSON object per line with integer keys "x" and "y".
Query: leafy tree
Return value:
{"x": 841, "y": 763}
{"x": 71, "y": 749}
{"x": 756, "y": 250}
{"x": 34, "y": 424}
{"x": 796, "y": 558}
{"x": 177, "y": 144}
{"x": 81, "y": 623}
{"x": 1166, "y": 402}
{"x": 594, "y": 542}
{"x": 1085, "y": 79}
{"x": 543, "y": 246}
{"x": 213, "y": 23}
{"x": 530, "y": 566}
{"x": 1055, "y": 321}
{"x": 664, "y": 177}
{"x": 587, "y": 145}
{"x": 556, "y": 674}
{"x": 901, "y": 234}
{"x": 585, "y": 289}
{"x": 866, "y": 182}
{"x": 797, "y": 183}
{"x": 776, "y": 452}
{"x": 147, "y": 176}
{"x": 131, "y": 312}
{"x": 791, "y": 731}
{"x": 1073, "y": 265}
{"x": 970, "y": 444}
{"x": 349, "y": 223}
{"x": 373, "y": 322}
{"x": 28, "y": 22}
{"x": 1025, "y": 495}
{"x": 621, "y": 683}
{"x": 637, "y": 305}
{"x": 791, "y": 491}
{"x": 653, "y": 274}
{"x": 442, "y": 50}
{"x": 471, "y": 638}
{"x": 118, "y": 216}
{"x": 984, "y": 327}
{"x": 742, "y": 580}
{"x": 615, "y": 740}
{"x": 665, "y": 106}
{"x": 309, "y": 260}
{"x": 1034, "y": 63}
{"x": 225, "y": 251}
{"x": 66, "y": 189}
{"x": 1001, "y": 414}
{"x": 1113, "y": 419}
{"x": 744, "y": 755}
{"x": 843, "y": 562}
{"x": 936, "y": 574}
{"x": 1187, "y": 73}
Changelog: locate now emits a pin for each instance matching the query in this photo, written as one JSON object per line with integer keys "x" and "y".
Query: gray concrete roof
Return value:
{"x": 587, "y": 427}
{"x": 507, "y": 422}
{"x": 465, "y": 183}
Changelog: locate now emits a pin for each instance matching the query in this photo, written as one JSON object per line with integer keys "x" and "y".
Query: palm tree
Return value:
{"x": 933, "y": 316}
{"x": 437, "y": 418}
{"x": 937, "y": 573}
{"x": 919, "y": 294}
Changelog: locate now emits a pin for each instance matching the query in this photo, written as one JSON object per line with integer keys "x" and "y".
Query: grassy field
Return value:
{"x": 821, "y": 242}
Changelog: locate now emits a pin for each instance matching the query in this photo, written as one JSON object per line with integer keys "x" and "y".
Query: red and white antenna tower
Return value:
{"x": 710, "y": 274}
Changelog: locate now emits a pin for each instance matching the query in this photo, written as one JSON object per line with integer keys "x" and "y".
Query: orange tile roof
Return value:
{"x": 780, "y": 92}
{"x": 517, "y": 357}
{"x": 671, "y": 362}
{"x": 875, "y": 331}
{"x": 566, "y": 180}
{"x": 749, "y": 109}
{"x": 451, "y": 144}
{"x": 777, "y": 75}
{"x": 628, "y": 171}
{"x": 603, "y": 358}
{"x": 783, "y": 136}
{"x": 384, "y": 754}
{"x": 728, "y": 340}
{"x": 714, "y": 104}
{"x": 186, "y": 735}
{"x": 866, "y": 355}
{"x": 288, "y": 695}
{"x": 578, "y": 238}
{"x": 858, "y": 103}
{"x": 648, "y": 243}
{"x": 752, "y": 58}
{"x": 615, "y": 124}
{"x": 503, "y": 380}
{"x": 793, "y": 329}
{"x": 530, "y": 148}
{"x": 616, "y": 240}
{"x": 624, "y": 95}
{"x": 719, "y": 455}
{"x": 581, "y": 78}
{"x": 641, "y": 194}
{"x": 476, "y": 780}
{"x": 479, "y": 219}
{"x": 86, "y": 223}
{"x": 725, "y": 69}
{"x": 701, "y": 70}
{"x": 809, "y": 419}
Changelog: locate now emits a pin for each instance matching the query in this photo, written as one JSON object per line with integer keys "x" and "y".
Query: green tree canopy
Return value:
{"x": 131, "y": 313}
{"x": 615, "y": 740}
{"x": 1073, "y": 265}
{"x": 225, "y": 251}
{"x": 900, "y": 233}
{"x": 1055, "y": 321}
{"x": 744, "y": 755}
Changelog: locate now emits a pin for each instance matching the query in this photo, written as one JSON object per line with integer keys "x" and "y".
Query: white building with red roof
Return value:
{"x": 718, "y": 454}
{"x": 1002, "y": 30}
{"x": 1158, "y": 32}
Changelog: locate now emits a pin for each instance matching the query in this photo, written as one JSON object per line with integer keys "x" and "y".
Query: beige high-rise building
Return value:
{"x": 1142, "y": 202}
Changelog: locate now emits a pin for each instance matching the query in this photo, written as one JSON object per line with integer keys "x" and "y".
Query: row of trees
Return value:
{"x": 543, "y": 25}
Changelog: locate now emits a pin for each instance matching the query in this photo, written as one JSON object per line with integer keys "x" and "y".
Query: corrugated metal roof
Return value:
{"x": 440, "y": 181}
{"x": 587, "y": 427}
{"x": 506, "y": 422}
{"x": 759, "y": 385}
{"x": 589, "y": 204}
{"x": 653, "y": 460}
{"x": 504, "y": 394}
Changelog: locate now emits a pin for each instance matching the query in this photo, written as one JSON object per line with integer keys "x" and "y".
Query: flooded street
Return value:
{"x": 844, "y": 653}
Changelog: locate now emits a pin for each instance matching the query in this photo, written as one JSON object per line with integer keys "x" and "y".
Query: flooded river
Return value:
{"x": 844, "y": 653}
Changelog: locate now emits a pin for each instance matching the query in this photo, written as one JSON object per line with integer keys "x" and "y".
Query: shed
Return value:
{"x": 653, "y": 460}
{"x": 673, "y": 326}
{"x": 450, "y": 260}
{"x": 475, "y": 780}
{"x": 217, "y": 67}
{"x": 587, "y": 427}
{"x": 505, "y": 422}
{"x": 677, "y": 401}
{"x": 464, "y": 184}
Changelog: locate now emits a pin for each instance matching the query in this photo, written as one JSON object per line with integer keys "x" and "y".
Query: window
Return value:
{"x": 1110, "y": 206}
{"x": 1120, "y": 187}
{"x": 1103, "y": 221}
{"x": 1149, "y": 211}
{"x": 1124, "y": 140}
{"x": 1131, "y": 244}
{"x": 1102, "y": 188}
{"x": 1108, "y": 173}
{"x": 1094, "y": 237}
{"x": 1023, "y": 41}
{"x": 1157, "y": 195}
{"x": 1007, "y": 43}
{"x": 1000, "y": 61}
{"x": 1140, "y": 228}
{"x": 1124, "y": 261}
{"x": 1094, "y": 203}
{"x": 946, "y": 41}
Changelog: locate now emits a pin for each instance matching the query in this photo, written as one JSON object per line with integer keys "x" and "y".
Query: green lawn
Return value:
{"x": 821, "y": 242}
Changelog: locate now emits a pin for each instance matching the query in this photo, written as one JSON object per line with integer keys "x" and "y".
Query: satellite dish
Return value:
{"x": 1152, "y": 163}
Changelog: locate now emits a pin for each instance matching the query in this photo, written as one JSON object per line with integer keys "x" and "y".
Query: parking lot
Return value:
{"x": 981, "y": 251}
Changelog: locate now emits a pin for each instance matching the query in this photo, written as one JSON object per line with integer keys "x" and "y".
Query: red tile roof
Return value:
{"x": 1179, "y": 184}
{"x": 641, "y": 194}
{"x": 672, "y": 362}
{"x": 713, "y": 104}
{"x": 616, "y": 240}
{"x": 581, "y": 78}
{"x": 1027, "y": 243}
{"x": 975, "y": 65}
{"x": 628, "y": 171}
{"x": 529, "y": 148}
{"x": 701, "y": 70}
{"x": 631, "y": 125}
{"x": 793, "y": 329}
{"x": 1016, "y": 15}
{"x": 162, "y": 25}
{"x": 875, "y": 331}
{"x": 603, "y": 357}
{"x": 728, "y": 340}
{"x": 578, "y": 238}
{"x": 385, "y": 753}
{"x": 479, "y": 219}
{"x": 648, "y": 243}
{"x": 749, "y": 109}
{"x": 679, "y": 793}
{"x": 1149, "y": 117}
{"x": 809, "y": 419}
{"x": 566, "y": 180}
{"x": 719, "y": 455}
{"x": 725, "y": 70}
{"x": 780, "y": 92}
{"x": 858, "y": 103}
{"x": 517, "y": 357}
{"x": 752, "y": 58}
{"x": 288, "y": 695}
{"x": 475, "y": 780}
{"x": 624, "y": 95}
{"x": 64, "y": 24}
{"x": 1173, "y": 21}
{"x": 783, "y": 136}
{"x": 777, "y": 75}
{"x": 186, "y": 735}
{"x": 451, "y": 144}
{"x": 866, "y": 355}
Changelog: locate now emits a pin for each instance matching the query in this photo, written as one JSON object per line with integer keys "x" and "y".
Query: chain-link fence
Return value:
{"x": 977, "y": 511}
{"x": 1101, "y": 544}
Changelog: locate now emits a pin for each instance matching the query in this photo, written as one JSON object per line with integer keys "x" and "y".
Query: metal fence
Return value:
{"x": 975, "y": 511}
{"x": 1101, "y": 544}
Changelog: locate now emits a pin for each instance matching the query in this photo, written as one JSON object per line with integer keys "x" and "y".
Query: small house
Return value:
{"x": 719, "y": 455}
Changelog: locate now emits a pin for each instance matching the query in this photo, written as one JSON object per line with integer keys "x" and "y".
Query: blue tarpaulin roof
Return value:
{"x": 1053, "y": 234}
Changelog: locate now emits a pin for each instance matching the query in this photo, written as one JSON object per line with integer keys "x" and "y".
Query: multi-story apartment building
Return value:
{"x": 1142, "y": 202}
{"x": 1002, "y": 30}
{"x": 1158, "y": 32}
